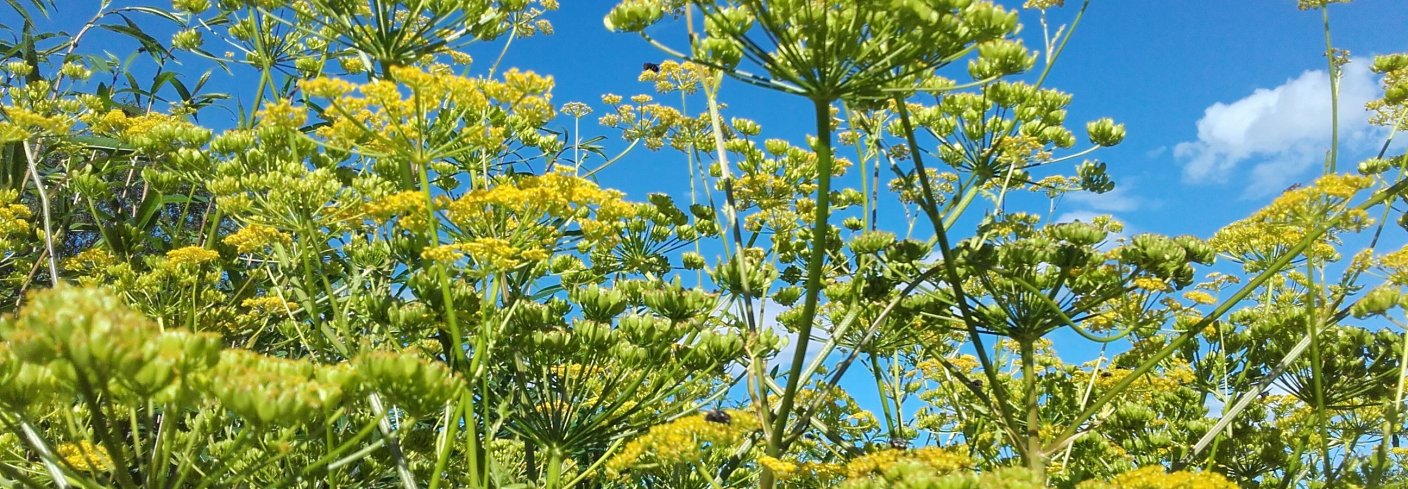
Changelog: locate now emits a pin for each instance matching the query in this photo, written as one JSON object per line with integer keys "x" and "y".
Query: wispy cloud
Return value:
{"x": 1280, "y": 131}
{"x": 1121, "y": 199}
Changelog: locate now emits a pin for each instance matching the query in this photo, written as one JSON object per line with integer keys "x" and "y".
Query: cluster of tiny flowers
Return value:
{"x": 190, "y": 255}
{"x": 1155, "y": 477}
{"x": 684, "y": 441}
{"x": 84, "y": 456}
{"x": 256, "y": 237}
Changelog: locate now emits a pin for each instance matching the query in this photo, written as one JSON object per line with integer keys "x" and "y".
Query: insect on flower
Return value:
{"x": 717, "y": 416}
{"x": 651, "y": 67}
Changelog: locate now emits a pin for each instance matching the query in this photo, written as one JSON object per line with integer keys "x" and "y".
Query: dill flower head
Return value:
{"x": 277, "y": 391}
{"x": 933, "y": 459}
{"x": 190, "y": 255}
{"x": 1155, "y": 477}
{"x": 15, "y": 226}
{"x": 256, "y": 237}
{"x": 1199, "y": 297}
{"x": 268, "y": 306}
{"x": 1396, "y": 265}
{"x": 688, "y": 440}
{"x": 84, "y": 456}
{"x": 282, "y": 114}
{"x": 408, "y": 380}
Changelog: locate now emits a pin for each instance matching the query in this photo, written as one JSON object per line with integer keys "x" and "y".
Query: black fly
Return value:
{"x": 717, "y": 416}
{"x": 651, "y": 67}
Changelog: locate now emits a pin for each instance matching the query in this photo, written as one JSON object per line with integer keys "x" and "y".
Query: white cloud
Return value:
{"x": 1280, "y": 131}
{"x": 1118, "y": 200}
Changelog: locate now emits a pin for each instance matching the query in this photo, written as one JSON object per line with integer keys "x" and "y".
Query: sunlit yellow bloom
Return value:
{"x": 781, "y": 468}
{"x": 495, "y": 253}
{"x": 1199, "y": 297}
{"x": 268, "y": 306}
{"x": 84, "y": 456}
{"x": 282, "y": 113}
{"x": 255, "y": 237}
{"x": 1396, "y": 264}
{"x": 190, "y": 255}
{"x": 934, "y": 459}
{"x": 684, "y": 441}
{"x": 1151, "y": 284}
{"x": 1155, "y": 477}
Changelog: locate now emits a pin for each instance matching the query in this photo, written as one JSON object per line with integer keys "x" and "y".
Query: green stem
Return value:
{"x": 880, "y": 387}
{"x": 815, "y": 262}
{"x": 452, "y": 424}
{"x": 1330, "y": 162}
{"x": 554, "y": 476}
{"x": 1036, "y": 460}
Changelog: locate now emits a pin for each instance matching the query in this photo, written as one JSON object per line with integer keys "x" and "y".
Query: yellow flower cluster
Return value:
{"x": 804, "y": 473}
{"x": 84, "y": 456}
{"x": 268, "y": 306}
{"x": 489, "y": 253}
{"x": 1173, "y": 377}
{"x": 24, "y": 123}
{"x": 256, "y": 237}
{"x": 92, "y": 259}
{"x": 934, "y": 459}
{"x": 408, "y": 205}
{"x": 674, "y": 76}
{"x": 190, "y": 255}
{"x": 1154, "y": 477}
{"x": 1396, "y": 264}
{"x": 530, "y": 202}
{"x": 1199, "y": 297}
{"x": 14, "y": 222}
{"x": 281, "y": 113}
{"x": 687, "y": 440}
{"x": 147, "y": 131}
{"x": 443, "y": 115}
{"x": 1151, "y": 284}
{"x": 1273, "y": 230}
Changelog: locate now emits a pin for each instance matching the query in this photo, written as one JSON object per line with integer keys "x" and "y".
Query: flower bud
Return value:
{"x": 1105, "y": 132}
{"x": 1377, "y": 302}
{"x": 633, "y": 15}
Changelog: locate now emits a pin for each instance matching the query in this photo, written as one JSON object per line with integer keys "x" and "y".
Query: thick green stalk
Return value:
{"x": 1033, "y": 454}
{"x": 815, "y": 262}
{"x": 554, "y": 476}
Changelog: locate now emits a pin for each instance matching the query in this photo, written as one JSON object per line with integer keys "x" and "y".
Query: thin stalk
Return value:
{"x": 1331, "y": 160}
{"x": 447, "y": 440}
{"x": 45, "y": 455}
{"x": 1312, "y": 327}
{"x": 880, "y": 387}
{"x": 44, "y": 210}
